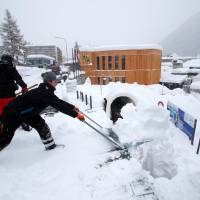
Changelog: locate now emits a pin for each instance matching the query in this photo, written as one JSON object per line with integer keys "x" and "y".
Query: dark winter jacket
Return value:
{"x": 9, "y": 78}
{"x": 35, "y": 101}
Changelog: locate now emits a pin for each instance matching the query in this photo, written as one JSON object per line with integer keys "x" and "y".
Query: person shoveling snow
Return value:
{"x": 27, "y": 108}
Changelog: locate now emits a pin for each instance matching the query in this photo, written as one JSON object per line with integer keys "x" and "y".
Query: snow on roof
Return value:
{"x": 192, "y": 63}
{"x": 39, "y": 45}
{"x": 171, "y": 78}
{"x": 185, "y": 70}
{"x": 180, "y": 70}
{"x": 40, "y": 56}
{"x": 195, "y": 85}
{"x": 178, "y": 61}
{"x": 168, "y": 77}
{"x": 196, "y": 78}
{"x": 168, "y": 64}
{"x": 121, "y": 47}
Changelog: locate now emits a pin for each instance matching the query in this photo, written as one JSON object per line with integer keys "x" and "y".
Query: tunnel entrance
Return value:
{"x": 116, "y": 106}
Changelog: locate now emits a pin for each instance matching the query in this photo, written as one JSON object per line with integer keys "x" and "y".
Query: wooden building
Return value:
{"x": 127, "y": 64}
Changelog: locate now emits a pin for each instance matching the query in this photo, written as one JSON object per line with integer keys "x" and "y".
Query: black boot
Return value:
{"x": 53, "y": 146}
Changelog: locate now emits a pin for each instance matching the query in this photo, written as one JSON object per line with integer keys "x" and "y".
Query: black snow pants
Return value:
{"x": 9, "y": 124}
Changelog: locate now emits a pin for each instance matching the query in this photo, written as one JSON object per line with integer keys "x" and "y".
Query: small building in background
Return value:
{"x": 39, "y": 60}
{"x": 177, "y": 64}
{"x": 48, "y": 50}
{"x": 127, "y": 64}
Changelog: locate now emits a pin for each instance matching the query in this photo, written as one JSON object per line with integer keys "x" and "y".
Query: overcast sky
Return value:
{"x": 98, "y": 22}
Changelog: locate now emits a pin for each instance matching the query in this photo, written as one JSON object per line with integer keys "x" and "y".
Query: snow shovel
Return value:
{"x": 111, "y": 133}
{"x": 118, "y": 145}
{"x": 28, "y": 89}
{"x": 122, "y": 148}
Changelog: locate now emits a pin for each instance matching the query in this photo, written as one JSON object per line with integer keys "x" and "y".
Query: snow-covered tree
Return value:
{"x": 13, "y": 42}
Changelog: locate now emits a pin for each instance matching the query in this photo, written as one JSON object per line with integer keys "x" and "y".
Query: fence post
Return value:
{"x": 86, "y": 100}
{"x": 77, "y": 94}
{"x": 90, "y": 102}
{"x": 82, "y": 97}
{"x": 198, "y": 147}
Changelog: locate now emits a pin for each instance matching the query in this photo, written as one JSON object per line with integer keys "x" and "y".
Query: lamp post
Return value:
{"x": 102, "y": 79}
{"x": 65, "y": 45}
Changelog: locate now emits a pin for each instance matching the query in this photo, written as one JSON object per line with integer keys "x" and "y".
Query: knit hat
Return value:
{"x": 49, "y": 76}
{"x": 7, "y": 58}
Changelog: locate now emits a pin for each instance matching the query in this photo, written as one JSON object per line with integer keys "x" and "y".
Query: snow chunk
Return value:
{"x": 148, "y": 123}
{"x": 159, "y": 160}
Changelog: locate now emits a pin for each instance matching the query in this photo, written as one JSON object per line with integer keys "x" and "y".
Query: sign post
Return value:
{"x": 198, "y": 147}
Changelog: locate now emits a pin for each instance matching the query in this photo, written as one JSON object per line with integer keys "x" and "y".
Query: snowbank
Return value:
{"x": 167, "y": 160}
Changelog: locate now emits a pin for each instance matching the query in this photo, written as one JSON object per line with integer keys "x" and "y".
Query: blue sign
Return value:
{"x": 182, "y": 120}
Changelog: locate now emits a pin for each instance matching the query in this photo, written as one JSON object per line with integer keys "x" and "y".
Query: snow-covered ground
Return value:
{"x": 168, "y": 161}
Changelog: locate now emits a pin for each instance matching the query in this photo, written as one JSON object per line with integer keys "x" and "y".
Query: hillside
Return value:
{"x": 185, "y": 40}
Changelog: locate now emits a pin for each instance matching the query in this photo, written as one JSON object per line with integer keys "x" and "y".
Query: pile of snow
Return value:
{"x": 160, "y": 160}
{"x": 151, "y": 124}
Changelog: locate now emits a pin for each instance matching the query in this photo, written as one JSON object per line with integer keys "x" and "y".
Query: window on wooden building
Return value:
{"x": 110, "y": 79}
{"x": 116, "y": 79}
{"x": 123, "y": 62}
{"x": 98, "y": 63}
{"x": 116, "y": 62}
{"x": 103, "y": 62}
{"x": 109, "y": 62}
{"x": 123, "y": 79}
{"x": 99, "y": 80}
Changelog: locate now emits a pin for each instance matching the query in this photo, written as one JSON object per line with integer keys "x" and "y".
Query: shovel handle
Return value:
{"x": 28, "y": 88}
{"x": 91, "y": 119}
{"x": 111, "y": 132}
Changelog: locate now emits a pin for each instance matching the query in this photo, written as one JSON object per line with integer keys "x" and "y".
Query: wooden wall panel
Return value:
{"x": 142, "y": 66}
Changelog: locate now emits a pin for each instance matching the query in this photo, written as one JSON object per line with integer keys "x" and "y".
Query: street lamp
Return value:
{"x": 65, "y": 45}
{"x": 102, "y": 78}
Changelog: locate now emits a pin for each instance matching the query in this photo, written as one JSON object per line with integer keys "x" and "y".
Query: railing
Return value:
{"x": 84, "y": 98}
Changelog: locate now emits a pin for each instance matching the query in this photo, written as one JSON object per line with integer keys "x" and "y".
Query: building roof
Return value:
{"x": 192, "y": 63}
{"x": 40, "y": 56}
{"x": 121, "y": 47}
{"x": 40, "y": 45}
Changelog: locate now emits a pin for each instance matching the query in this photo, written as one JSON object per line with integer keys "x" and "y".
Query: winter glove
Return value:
{"x": 80, "y": 117}
{"x": 24, "y": 90}
{"x": 76, "y": 109}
